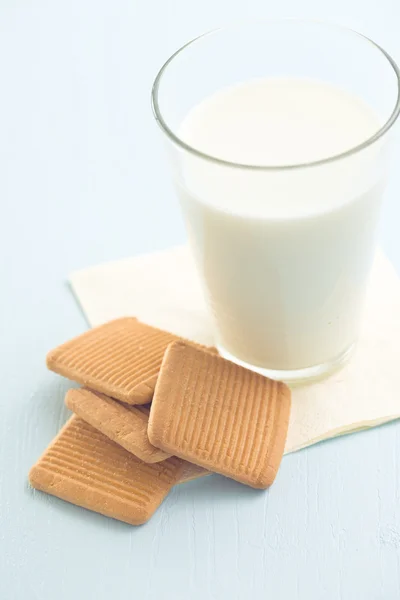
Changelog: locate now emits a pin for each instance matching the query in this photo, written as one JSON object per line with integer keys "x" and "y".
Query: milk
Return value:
{"x": 284, "y": 254}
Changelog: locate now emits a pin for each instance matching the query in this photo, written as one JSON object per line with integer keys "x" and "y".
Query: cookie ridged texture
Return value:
{"x": 84, "y": 467}
{"x": 126, "y": 425}
{"x": 120, "y": 359}
{"x": 220, "y": 416}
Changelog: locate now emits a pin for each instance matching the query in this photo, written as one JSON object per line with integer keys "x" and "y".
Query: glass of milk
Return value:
{"x": 278, "y": 135}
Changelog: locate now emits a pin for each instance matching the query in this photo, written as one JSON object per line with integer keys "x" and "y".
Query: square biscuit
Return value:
{"x": 124, "y": 424}
{"x": 220, "y": 416}
{"x": 120, "y": 359}
{"x": 84, "y": 467}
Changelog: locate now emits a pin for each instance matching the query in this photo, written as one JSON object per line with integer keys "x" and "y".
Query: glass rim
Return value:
{"x": 220, "y": 161}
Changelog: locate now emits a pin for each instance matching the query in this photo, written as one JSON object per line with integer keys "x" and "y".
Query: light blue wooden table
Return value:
{"x": 84, "y": 180}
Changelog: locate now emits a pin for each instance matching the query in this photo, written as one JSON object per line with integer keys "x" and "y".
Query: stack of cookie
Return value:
{"x": 156, "y": 410}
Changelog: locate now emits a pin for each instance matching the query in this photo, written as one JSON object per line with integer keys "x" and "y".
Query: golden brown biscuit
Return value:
{"x": 84, "y": 467}
{"x": 120, "y": 359}
{"x": 126, "y": 425}
{"x": 220, "y": 416}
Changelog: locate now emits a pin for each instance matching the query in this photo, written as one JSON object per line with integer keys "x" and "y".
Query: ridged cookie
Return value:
{"x": 220, "y": 416}
{"x": 126, "y": 425}
{"x": 121, "y": 359}
{"x": 84, "y": 467}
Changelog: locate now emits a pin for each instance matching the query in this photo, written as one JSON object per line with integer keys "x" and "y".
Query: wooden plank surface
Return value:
{"x": 84, "y": 180}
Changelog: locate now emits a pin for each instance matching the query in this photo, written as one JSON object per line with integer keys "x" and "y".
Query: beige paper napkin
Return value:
{"x": 162, "y": 289}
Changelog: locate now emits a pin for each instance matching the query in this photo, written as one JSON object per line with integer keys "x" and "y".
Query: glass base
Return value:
{"x": 295, "y": 376}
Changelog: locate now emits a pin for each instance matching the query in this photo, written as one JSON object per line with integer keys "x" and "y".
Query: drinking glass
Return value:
{"x": 283, "y": 250}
